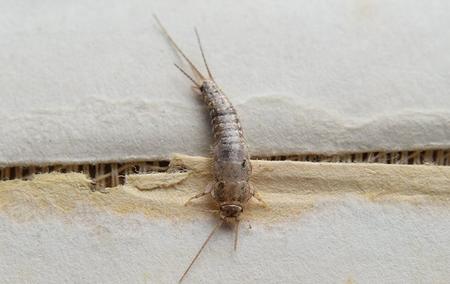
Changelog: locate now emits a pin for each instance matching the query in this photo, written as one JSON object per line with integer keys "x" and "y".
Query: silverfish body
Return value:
{"x": 232, "y": 168}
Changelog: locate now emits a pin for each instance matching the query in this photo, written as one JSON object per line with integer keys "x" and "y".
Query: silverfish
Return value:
{"x": 231, "y": 160}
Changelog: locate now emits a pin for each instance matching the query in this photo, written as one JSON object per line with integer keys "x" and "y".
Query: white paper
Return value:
{"x": 340, "y": 241}
{"x": 87, "y": 81}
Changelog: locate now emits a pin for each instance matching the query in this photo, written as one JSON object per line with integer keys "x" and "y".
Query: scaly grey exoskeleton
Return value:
{"x": 232, "y": 168}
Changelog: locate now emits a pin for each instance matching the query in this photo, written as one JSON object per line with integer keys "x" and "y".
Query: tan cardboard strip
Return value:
{"x": 112, "y": 173}
{"x": 288, "y": 187}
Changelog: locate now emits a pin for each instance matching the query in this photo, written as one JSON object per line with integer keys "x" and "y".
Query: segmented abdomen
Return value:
{"x": 231, "y": 158}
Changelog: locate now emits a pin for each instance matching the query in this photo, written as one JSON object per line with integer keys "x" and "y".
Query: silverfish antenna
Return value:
{"x": 187, "y": 75}
{"x": 197, "y": 73}
{"x": 236, "y": 236}
{"x": 201, "y": 249}
{"x": 203, "y": 54}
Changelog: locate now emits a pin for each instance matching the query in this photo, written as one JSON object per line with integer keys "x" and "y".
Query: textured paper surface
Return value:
{"x": 87, "y": 81}
{"x": 325, "y": 223}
